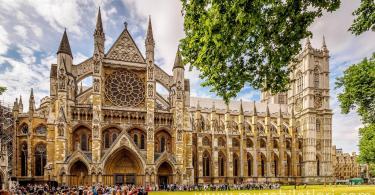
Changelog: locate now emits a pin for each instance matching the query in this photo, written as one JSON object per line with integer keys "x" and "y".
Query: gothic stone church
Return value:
{"x": 121, "y": 130}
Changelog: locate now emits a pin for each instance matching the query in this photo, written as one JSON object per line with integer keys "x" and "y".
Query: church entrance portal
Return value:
{"x": 165, "y": 175}
{"x": 123, "y": 167}
{"x": 79, "y": 174}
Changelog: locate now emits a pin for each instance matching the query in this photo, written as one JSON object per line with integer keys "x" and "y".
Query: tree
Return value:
{"x": 365, "y": 17}
{"x": 358, "y": 83}
{"x": 238, "y": 42}
{"x": 2, "y": 89}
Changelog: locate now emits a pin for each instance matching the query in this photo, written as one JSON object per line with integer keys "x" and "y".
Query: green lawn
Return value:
{"x": 289, "y": 190}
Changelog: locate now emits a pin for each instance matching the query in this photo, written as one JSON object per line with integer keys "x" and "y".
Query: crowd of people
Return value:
{"x": 132, "y": 189}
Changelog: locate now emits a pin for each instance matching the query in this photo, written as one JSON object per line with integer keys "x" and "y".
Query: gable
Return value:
{"x": 125, "y": 49}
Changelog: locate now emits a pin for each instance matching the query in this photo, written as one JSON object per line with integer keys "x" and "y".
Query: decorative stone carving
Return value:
{"x": 125, "y": 50}
{"x": 124, "y": 88}
{"x": 150, "y": 90}
{"x": 60, "y": 129}
{"x": 95, "y": 131}
{"x": 150, "y": 133}
{"x": 96, "y": 85}
{"x": 179, "y": 135}
{"x": 318, "y": 100}
{"x": 298, "y": 104}
{"x": 150, "y": 72}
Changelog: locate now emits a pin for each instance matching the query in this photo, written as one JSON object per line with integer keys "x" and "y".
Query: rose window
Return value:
{"x": 124, "y": 88}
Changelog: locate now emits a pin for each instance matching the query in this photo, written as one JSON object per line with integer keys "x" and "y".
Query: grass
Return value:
{"x": 289, "y": 190}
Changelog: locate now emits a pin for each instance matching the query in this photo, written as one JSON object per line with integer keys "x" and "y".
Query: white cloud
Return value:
{"x": 21, "y": 31}
{"x": 4, "y": 41}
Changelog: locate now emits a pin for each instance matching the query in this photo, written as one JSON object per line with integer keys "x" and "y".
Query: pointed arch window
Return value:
{"x": 40, "y": 159}
{"x": 249, "y": 165}
{"x": 24, "y": 129}
{"x": 114, "y": 137}
{"x": 162, "y": 144}
{"x": 142, "y": 142}
{"x": 84, "y": 142}
{"x": 206, "y": 165}
{"x": 263, "y": 165}
{"x": 299, "y": 82}
{"x": 249, "y": 143}
{"x": 24, "y": 159}
{"x": 316, "y": 77}
{"x": 135, "y": 139}
{"x": 106, "y": 140}
{"x": 235, "y": 165}
{"x": 318, "y": 125}
{"x": 221, "y": 165}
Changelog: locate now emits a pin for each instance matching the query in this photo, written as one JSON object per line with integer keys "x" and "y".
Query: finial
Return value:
{"x": 241, "y": 107}
{"x": 308, "y": 44}
{"x": 198, "y": 106}
{"x": 178, "y": 60}
{"x": 280, "y": 113}
{"x": 126, "y": 25}
{"x": 324, "y": 41}
{"x": 268, "y": 111}
{"x": 32, "y": 93}
{"x": 254, "y": 109}
{"x": 99, "y": 24}
{"x": 227, "y": 107}
{"x": 213, "y": 105}
{"x": 149, "y": 34}
{"x": 64, "y": 45}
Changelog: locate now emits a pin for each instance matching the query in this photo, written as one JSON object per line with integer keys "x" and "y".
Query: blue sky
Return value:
{"x": 30, "y": 31}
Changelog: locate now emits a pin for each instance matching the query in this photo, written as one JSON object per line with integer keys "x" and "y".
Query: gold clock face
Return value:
{"x": 125, "y": 88}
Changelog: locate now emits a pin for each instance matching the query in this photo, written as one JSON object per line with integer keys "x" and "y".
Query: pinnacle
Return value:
{"x": 178, "y": 60}
{"x": 99, "y": 24}
{"x": 149, "y": 36}
{"x": 64, "y": 45}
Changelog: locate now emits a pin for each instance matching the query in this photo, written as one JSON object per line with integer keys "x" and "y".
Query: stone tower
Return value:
{"x": 309, "y": 96}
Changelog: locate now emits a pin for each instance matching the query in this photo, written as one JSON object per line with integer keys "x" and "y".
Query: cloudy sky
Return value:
{"x": 30, "y": 31}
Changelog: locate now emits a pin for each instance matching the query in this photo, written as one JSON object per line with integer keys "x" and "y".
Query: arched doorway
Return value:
{"x": 123, "y": 167}
{"x": 165, "y": 175}
{"x": 79, "y": 174}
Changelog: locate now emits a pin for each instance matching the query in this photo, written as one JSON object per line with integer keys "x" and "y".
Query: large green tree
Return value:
{"x": 237, "y": 42}
{"x": 364, "y": 17}
{"x": 358, "y": 85}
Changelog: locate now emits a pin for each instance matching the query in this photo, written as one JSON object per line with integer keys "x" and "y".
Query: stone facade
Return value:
{"x": 121, "y": 130}
{"x": 346, "y": 165}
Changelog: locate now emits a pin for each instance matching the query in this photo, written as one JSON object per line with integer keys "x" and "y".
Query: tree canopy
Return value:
{"x": 237, "y": 42}
{"x": 358, "y": 83}
{"x": 365, "y": 17}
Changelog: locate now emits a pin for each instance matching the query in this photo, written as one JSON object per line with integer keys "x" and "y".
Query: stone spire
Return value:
{"x": 292, "y": 112}
{"x": 324, "y": 46}
{"x": 149, "y": 36}
{"x": 99, "y": 24}
{"x": 64, "y": 45}
{"x": 308, "y": 43}
{"x": 241, "y": 107}
{"x": 254, "y": 109}
{"x": 324, "y": 42}
{"x": 268, "y": 111}
{"x": 280, "y": 113}
{"x": 99, "y": 36}
{"x": 15, "y": 105}
{"x": 178, "y": 60}
{"x": 32, "y": 101}
{"x": 20, "y": 105}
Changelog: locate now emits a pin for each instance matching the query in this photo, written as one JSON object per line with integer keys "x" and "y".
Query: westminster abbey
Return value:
{"x": 120, "y": 130}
